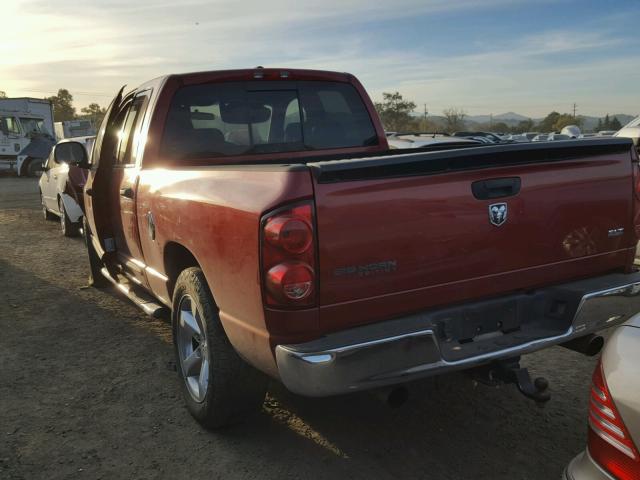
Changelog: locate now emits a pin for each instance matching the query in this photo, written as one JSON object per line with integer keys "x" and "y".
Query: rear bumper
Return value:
{"x": 457, "y": 338}
{"x": 583, "y": 467}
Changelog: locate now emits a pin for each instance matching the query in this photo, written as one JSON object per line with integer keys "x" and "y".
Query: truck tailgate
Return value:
{"x": 405, "y": 233}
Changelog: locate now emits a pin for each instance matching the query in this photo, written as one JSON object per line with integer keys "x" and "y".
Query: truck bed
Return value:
{"x": 407, "y": 232}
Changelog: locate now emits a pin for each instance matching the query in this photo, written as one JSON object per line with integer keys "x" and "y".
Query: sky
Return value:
{"x": 484, "y": 56}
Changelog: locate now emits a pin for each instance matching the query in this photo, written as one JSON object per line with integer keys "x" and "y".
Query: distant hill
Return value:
{"x": 512, "y": 119}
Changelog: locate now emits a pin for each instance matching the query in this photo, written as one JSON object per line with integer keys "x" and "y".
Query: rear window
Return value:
{"x": 226, "y": 119}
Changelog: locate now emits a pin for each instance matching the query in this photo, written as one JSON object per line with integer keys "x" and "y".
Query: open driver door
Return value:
{"x": 96, "y": 191}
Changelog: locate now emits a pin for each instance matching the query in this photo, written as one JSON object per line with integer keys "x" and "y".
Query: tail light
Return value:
{"x": 288, "y": 249}
{"x": 610, "y": 444}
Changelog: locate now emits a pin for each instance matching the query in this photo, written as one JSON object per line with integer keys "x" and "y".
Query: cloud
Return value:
{"x": 93, "y": 47}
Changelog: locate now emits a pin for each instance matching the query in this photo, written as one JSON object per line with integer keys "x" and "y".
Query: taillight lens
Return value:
{"x": 610, "y": 444}
{"x": 288, "y": 256}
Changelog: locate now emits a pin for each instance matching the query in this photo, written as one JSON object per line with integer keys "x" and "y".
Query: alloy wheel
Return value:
{"x": 193, "y": 349}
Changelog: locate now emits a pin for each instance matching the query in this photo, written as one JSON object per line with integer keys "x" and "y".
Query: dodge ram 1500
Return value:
{"x": 264, "y": 211}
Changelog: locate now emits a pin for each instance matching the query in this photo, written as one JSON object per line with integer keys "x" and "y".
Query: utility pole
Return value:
{"x": 425, "y": 116}
{"x": 574, "y": 110}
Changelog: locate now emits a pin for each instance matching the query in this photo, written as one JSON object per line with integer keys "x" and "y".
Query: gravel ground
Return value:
{"x": 88, "y": 389}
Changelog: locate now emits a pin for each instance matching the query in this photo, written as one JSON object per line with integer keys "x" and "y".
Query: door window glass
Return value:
{"x": 129, "y": 136}
{"x": 9, "y": 126}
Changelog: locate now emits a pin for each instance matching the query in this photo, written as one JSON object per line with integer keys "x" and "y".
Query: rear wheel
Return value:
{"x": 34, "y": 168}
{"x": 218, "y": 386}
{"x": 69, "y": 229}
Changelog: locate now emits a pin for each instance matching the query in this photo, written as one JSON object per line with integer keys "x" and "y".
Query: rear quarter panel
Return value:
{"x": 215, "y": 214}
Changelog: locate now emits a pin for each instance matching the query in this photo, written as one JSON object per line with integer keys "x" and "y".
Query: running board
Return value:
{"x": 136, "y": 294}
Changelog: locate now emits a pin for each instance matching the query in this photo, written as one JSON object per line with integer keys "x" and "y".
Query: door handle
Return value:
{"x": 127, "y": 192}
{"x": 496, "y": 188}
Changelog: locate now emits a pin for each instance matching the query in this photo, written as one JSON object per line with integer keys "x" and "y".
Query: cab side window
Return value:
{"x": 130, "y": 132}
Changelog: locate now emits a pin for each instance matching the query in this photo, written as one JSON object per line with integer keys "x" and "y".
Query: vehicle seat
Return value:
{"x": 293, "y": 133}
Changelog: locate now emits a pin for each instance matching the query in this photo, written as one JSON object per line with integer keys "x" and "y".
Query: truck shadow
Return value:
{"x": 106, "y": 372}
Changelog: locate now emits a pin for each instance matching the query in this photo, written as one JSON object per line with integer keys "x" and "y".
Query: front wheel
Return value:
{"x": 69, "y": 229}
{"x": 218, "y": 386}
{"x": 34, "y": 168}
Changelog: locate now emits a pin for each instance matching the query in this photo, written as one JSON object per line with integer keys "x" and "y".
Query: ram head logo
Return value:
{"x": 498, "y": 213}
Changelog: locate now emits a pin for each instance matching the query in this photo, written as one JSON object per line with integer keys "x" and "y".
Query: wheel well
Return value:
{"x": 24, "y": 166}
{"x": 176, "y": 259}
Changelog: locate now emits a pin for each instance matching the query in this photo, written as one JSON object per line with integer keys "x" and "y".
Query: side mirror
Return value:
{"x": 71, "y": 153}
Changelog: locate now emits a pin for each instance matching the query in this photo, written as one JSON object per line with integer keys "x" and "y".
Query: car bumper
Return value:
{"x": 439, "y": 341}
{"x": 583, "y": 467}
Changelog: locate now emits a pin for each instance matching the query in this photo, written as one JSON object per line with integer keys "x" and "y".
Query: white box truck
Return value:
{"x": 26, "y": 133}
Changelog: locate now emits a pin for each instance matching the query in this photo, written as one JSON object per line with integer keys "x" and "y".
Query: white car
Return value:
{"x": 419, "y": 140}
{"x": 61, "y": 186}
{"x": 614, "y": 412}
{"x": 572, "y": 131}
{"x": 631, "y": 130}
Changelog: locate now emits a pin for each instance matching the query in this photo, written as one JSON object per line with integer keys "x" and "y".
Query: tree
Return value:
{"x": 63, "y": 108}
{"x": 95, "y": 112}
{"x": 565, "y": 120}
{"x": 499, "y": 127}
{"x": 615, "y": 124}
{"x": 524, "y": 126}
{"x": 3, "y": 94}
{"x": 546, "y": 125}
{"x": 395, "y": 111}
{"x": 454, "y": 118}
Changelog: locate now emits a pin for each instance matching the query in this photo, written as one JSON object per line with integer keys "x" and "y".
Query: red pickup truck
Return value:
{"x": 264, "y": 210}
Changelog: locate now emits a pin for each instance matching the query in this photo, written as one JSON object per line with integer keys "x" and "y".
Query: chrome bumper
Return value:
{"x": 412, "y": 347}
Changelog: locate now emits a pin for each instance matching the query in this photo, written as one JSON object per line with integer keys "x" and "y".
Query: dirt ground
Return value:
{"x": 88, "y": 390}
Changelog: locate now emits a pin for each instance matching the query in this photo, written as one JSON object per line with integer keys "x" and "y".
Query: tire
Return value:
{"x": 233, "y": 389}
{"x": 34, "y": 168}
{"x": 96, "y": 279}
{"x": 45, "y": 211}
{"x": 69, "y": 229}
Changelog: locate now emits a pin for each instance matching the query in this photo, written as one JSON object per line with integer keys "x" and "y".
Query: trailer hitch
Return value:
{"x": 509, "y": 371}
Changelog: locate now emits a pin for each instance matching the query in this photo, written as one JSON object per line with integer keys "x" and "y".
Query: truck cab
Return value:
{"x": 26, "y": 133}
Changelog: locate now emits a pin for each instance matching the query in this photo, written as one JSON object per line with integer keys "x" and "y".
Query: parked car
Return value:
{"x": 542, "y": 137}
{"x": 61, "y": 184}
{"x": 530, "y": 135}
{"x": 614, "y": 412}
{"x": 631, "y": 130}
{"x": 424, "y": 139}
{"x": 552, "y": 137}
{"x": 571, "y": 131}
{"x": 299, "y": 247}
{"x": 606, "y": 133}
{"x": 519, "y": 138}
{"x": 492, "y": 137}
